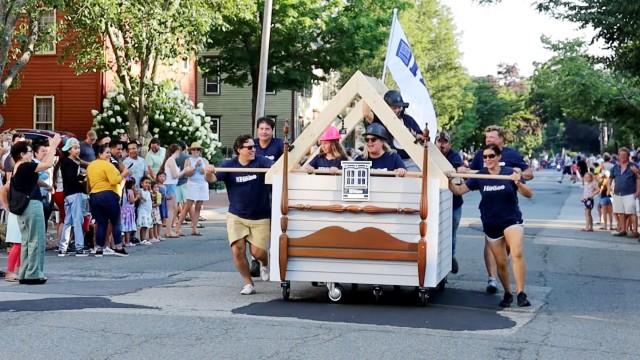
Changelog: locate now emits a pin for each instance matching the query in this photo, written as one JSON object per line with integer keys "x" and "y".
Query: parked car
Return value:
{"x": 34, "y": 134}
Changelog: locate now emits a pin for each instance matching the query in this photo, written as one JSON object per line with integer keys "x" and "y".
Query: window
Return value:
{"x": 215, "y": 125}
{"x": 43, "y": 112}
{"x": 212, "y": 85}
{"x": 47, "y": 27}
{"x": 184, "y": 65}
{"x": 350, "y": 175}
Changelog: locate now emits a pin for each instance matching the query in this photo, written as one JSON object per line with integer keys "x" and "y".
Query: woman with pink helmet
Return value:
{"x": 331, "y": 152}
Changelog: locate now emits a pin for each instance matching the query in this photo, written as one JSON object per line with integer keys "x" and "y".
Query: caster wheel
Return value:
{"x": 254, "y": 268}
{"x": 315, "y": 284}
{"x": 441, "y": 285}
{"x": 377, "y": 293}
{"x": 286, "y": 290}
{"x": 423, "y": 297}
{"x": 336, "y": 293}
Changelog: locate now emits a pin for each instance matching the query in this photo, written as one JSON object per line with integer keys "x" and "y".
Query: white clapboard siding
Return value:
{"x": 385, "y": 192}
{"x": 444, "y": 237}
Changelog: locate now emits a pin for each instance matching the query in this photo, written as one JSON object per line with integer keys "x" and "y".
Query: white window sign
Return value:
{"x": 355, "y": 180}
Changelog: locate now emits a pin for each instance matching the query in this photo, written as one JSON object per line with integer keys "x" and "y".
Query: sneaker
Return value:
{"x": 99, "y": 253}
{"x": 154, "y": 241}
{"x": 507, "y": 300}
{"x": 145, "y": 242}
{"x": 619, "y": 233}
{"x": 82, "y": 253}
{"x": 522, "y": 300}
{"x": 120, "y": 252}
{"x": 130, "y": 244}
{"x": 135, "y": 240}
{"x": 264, "y": 272}
{"x": 108, "y": 251}
{"x": 454, "y": 266}
{"x": 248, "y": 289}
{"x": 492, "y": 286}
{"x": 62, "y": 253}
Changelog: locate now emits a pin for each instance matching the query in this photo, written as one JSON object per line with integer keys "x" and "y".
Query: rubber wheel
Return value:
{"x": 423, "y": 298}
{"x": 377, "y": 294}
{"x": 337, "y": 294}
{"x": 254, "y": 268}
{"x": 286, "y": 291}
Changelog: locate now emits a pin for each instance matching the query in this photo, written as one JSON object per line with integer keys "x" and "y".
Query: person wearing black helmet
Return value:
{"x": 378, "y": 152}
{"x": 393, "y": 98}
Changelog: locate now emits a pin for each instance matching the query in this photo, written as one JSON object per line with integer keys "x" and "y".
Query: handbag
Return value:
{"x": 18, "y": 201}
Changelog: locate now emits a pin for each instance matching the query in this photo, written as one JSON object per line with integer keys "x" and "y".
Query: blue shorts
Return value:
{"x": 171, "y": 190}
{"x": 605, "y": 200}
{"x": 495, "y": 232}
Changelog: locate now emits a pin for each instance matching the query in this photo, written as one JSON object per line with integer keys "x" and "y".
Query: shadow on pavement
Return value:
{"x": 452, "y": 310}
{"x": 67, "y": 303}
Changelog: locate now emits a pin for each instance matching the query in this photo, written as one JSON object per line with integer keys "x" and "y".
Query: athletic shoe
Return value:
{"x": 264, "y": 272}
{"x": 154, "y": 241}
{"x": 130, "y": 244}
{"x": 62, "y": 253}
{"x": 82, "y": 253}
{"x": 135, "y": 240}
{"x": 492, "y": 286}
{"x": 454, "y": 266}
{"x": 506, "y": 300}
{"x": 120, "y": 252}
{"x": 619, "y": 233}
{"x": 108, "y": 251}
{"x": 248, "y": 289}
{"x": 145, "y": 242}
{"x": 522, "y": 300}
{"x": 33, "y": 281}
{"x": 99, "y": 253}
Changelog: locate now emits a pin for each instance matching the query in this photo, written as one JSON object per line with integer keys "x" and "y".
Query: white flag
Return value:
{"x": 404, "y": 70}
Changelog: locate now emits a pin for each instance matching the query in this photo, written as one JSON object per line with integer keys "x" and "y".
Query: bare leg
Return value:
{"x": 143, "y": 233}
{"x": 260, "y": 254}
{"x": 171, "y": 210}
{"x": 183, "y": 214}
{"x": 196, "y": 216}
{"x": 489, "y": 260}
{"x": 513, "y": 237}
{"x": 239, "y": 250}
{"x": 499, "y": 251}
{"x": 634, "y": 224}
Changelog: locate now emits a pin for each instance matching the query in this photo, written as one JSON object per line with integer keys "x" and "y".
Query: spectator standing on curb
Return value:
{"x": 249, "y": 217}
{"x": 625, "y": 191}
{"x": 31, "y": 221}
{"x": 197, "y": 188}
{"x": 87, "y": 153}
{"x": 443, "y": 140}
{"x": 267, "y": 145}
{"x": 181, "y": 186}
{"x": 173, "y": 173}
{"x": 13, "y": 236}
{"x": 74, "y": 185}
{"x": 155, "y": 157}
{"x": 135, "y": 163}
{"x": 104, "y": 182}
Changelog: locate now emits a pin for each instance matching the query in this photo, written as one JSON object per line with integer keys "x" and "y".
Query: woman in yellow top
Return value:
{"x": 105, "y": 184}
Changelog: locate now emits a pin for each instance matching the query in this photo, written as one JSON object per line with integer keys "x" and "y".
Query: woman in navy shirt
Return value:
{"x": 501, "y": 219}
{"x": 331, "y": 153}
{"x": 379, "y": 153}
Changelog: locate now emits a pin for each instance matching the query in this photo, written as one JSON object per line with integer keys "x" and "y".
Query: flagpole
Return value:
{"x": 264, "y": 61}
{"x": 393, "y": 23}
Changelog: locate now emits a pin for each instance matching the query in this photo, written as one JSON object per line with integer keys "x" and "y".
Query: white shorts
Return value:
{"x": 197, "y": 191}
{"x": 624, "y": 204}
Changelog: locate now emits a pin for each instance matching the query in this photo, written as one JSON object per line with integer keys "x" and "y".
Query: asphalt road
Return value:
{"x": 180, "y": 300}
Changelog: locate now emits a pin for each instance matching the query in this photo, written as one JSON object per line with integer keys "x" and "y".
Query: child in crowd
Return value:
{"x": 164, "y": 210}
{"x": 156, "y": 199}
{"x": 589, "y": 191}
{"x": 128, "y": 211}
{"x": 606, "y": 207}
{"x": 144, "y": 216}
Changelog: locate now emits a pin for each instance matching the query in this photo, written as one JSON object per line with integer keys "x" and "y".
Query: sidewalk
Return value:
{"x": 216, "y": 207}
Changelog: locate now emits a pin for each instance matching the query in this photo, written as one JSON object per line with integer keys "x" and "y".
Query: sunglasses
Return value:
{"x": 370, "y": 139}
{"x": 249, "y": 147}
{"x": 489, "y": 156}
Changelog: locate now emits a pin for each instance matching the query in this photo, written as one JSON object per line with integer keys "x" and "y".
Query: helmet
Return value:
{"x": 377, "y": 130}
{"x": 393, "y": 98}
{"x": 331, "y": 133}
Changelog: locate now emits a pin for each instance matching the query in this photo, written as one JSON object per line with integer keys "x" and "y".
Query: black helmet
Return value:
{"x": 377, "y": 130}
{"x": 393, "y": 98}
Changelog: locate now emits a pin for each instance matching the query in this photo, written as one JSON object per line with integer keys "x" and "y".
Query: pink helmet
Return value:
{"x": 331, "y": 133}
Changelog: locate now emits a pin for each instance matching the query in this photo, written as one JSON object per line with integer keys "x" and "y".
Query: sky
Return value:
{"x": 508, "y": 32}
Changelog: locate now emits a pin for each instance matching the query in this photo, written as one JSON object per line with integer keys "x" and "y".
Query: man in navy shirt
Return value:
{"x": 510, "y": 157}
{"x": 266, "y": 144}
{"x": 625, "y": 174}
{"x": 393, "y": 98}
{"x": 443, "y": 140}
{"x": 249, "y": 217}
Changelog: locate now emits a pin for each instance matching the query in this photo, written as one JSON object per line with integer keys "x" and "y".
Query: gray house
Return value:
{"x": 230, "y": 107}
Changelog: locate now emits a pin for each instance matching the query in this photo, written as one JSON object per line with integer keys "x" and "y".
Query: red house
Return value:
{"x": 48, "y": 95}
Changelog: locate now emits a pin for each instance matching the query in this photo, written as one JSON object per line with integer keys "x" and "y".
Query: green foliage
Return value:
{"x": 172, "y": 117}
{"x": 306, "y": 35}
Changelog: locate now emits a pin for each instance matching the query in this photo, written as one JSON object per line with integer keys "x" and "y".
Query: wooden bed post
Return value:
{"x": 284, "y": 207}
{"x": 424, "y": 211}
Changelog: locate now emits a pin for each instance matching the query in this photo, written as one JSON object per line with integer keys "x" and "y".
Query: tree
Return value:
{"x": 306, "y": 35}
{"x": 138, "y": 36}
{"x": 20, "y": 31}
{"x": 617, "y": 24}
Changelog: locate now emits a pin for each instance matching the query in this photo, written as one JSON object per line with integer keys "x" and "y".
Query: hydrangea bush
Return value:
{"x": 172, "y": 118}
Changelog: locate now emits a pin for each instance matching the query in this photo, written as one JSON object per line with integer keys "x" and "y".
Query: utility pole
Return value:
{"x": 264, "y": 60}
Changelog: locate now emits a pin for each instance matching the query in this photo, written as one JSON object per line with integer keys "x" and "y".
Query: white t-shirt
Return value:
{"x": 137, "y": 167}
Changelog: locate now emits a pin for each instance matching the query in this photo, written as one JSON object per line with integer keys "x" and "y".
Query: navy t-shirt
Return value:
{"x": 249, "y": 196}
{"x": 410, "y": 123}
{"x": 272, "y": 151}
{"x": 499, "y": 202}
{"x": 388, "y": 161}
{"x": 456, "y": 161}
{"x": 625, "y": 182}
{"x": 510, "y": 157}
{"x": 321, "y": 162}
